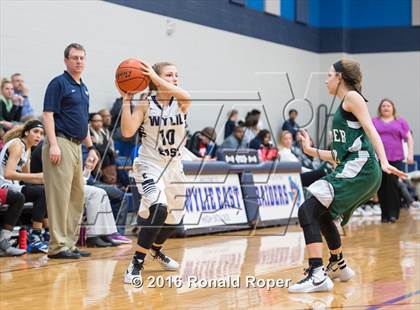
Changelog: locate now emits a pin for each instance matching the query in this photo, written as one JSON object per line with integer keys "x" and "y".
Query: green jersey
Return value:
{"x": 357, "y": 176}
{"x": 348, "y": 137}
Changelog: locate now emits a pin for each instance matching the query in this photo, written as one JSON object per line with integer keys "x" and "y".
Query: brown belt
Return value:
{"x": 71, "y": 139}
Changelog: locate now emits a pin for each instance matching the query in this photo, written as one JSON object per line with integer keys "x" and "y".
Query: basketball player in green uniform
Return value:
{"x": 356, "y": 178}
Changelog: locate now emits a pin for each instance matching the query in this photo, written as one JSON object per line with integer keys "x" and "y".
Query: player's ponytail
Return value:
{"x": 350, "y": 73}
{"x": 13, "y": 133}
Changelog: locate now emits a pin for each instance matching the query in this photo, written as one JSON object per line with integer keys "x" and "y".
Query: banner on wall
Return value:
{"x": 213, "y": 200}
{"x": 275, "y": 195}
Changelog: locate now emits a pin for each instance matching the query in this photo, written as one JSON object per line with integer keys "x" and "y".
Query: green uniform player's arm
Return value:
{"x": 305, "y": 140}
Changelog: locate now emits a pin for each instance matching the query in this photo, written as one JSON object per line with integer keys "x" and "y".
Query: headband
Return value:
{"x": 338, "y": 66}
{"x": 33, "y": 125}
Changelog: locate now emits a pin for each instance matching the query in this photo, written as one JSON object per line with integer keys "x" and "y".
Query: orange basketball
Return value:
{"x": 129, "y": 76}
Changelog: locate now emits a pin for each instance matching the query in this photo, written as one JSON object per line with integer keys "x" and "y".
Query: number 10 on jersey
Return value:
{"x": 168, "y": 138}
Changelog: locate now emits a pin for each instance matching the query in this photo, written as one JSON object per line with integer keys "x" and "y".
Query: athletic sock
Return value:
{"x": 140, "y": 256}
{"x": 336, "y": 257}
{"x": 315, "y": 262}
{"x": 339, "y": 259}
{"x": 156, "y": 248}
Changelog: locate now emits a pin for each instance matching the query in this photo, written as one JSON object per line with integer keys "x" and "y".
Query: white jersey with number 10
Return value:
{"x": 163, "y": 132}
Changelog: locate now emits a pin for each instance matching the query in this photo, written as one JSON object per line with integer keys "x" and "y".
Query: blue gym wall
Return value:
{"x": 322, "y": 26}
{"x": 343, "y": 13}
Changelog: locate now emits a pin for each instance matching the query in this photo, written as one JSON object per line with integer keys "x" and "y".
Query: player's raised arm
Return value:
{"x": 131, "y": 121}
{"x": 165, "y": 87}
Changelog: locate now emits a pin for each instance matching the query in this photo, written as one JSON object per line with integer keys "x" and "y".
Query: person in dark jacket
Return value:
{"x": 10, "y": 105}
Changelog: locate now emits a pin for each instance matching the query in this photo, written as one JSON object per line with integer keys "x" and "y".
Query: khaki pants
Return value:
{"x": 64, "y": 194}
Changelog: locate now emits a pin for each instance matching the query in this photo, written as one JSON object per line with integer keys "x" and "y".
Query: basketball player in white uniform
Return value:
{"x": 158, "y": 171}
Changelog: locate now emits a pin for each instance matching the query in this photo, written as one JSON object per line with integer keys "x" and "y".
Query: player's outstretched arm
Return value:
{"x": 305, "y": 140}
{"x": 181, "y": 95}
{"x": 130, "y": 122}
{"x": 355, "y": 104}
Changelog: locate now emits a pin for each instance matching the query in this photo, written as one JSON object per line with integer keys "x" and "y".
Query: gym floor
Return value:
{"x": 385, "y": 257}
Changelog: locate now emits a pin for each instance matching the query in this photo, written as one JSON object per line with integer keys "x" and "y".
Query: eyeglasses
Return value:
{"x": 96, "y": 120}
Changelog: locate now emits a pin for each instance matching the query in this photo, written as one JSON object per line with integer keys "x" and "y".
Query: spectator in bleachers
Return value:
{"x": 10, "y": 105}
{"x": 202, "y": 143}
{"x": 408, "y": 194}
{"x": 392, "y": 130}
{"x": 102, "y": 144}
{"x": 257, "y": 113}
{"x": 235, "y": 140}
{"x": 119, "y": 203}
{"x": 262, "y": 143}
{"x": 15, "y": 200}
{"x": 124, "y": 146}
{"x": 290, "y": 125}
{"x": 287, "y": 147}
{"x": 106, "y": 126}
{"x": 99, "y": 220}
{"x": 262, "y": 139}
{"x": 107, "y": 129}
{"x": 19, "y": 88}
{"x": 116, "y": 113}
{"x": 251, "y": 126}
{"x": 15, "y": 175}
{"x": 308, "y": 175}
{"x": 231, "y": 122}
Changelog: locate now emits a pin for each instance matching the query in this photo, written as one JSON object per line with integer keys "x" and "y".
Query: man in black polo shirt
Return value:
{"x": 66, "y": 113}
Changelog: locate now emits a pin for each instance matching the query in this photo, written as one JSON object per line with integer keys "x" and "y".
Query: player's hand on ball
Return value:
{"x": 387, "y": 168}
{"x": 122, "y": 93}
{"x": 126, "y": 96}
{"x": 148, "y": 71}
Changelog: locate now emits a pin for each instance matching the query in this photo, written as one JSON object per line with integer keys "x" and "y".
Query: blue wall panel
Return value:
{"x": 302, "y": 11}
{"x": 255, "y": 4}
{"x": 356, "y": 14}
{"x": 288, "y": 9}
{"x": 326, "y": 13}
{"x": 377, "y": 13}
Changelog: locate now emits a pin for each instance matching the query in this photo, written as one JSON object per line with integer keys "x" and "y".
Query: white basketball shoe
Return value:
{"x": 133, "y": 273}
{"x": 339, "y": 269}
{"x": 316, "y": 280}
{"x": 165, "y": 261}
